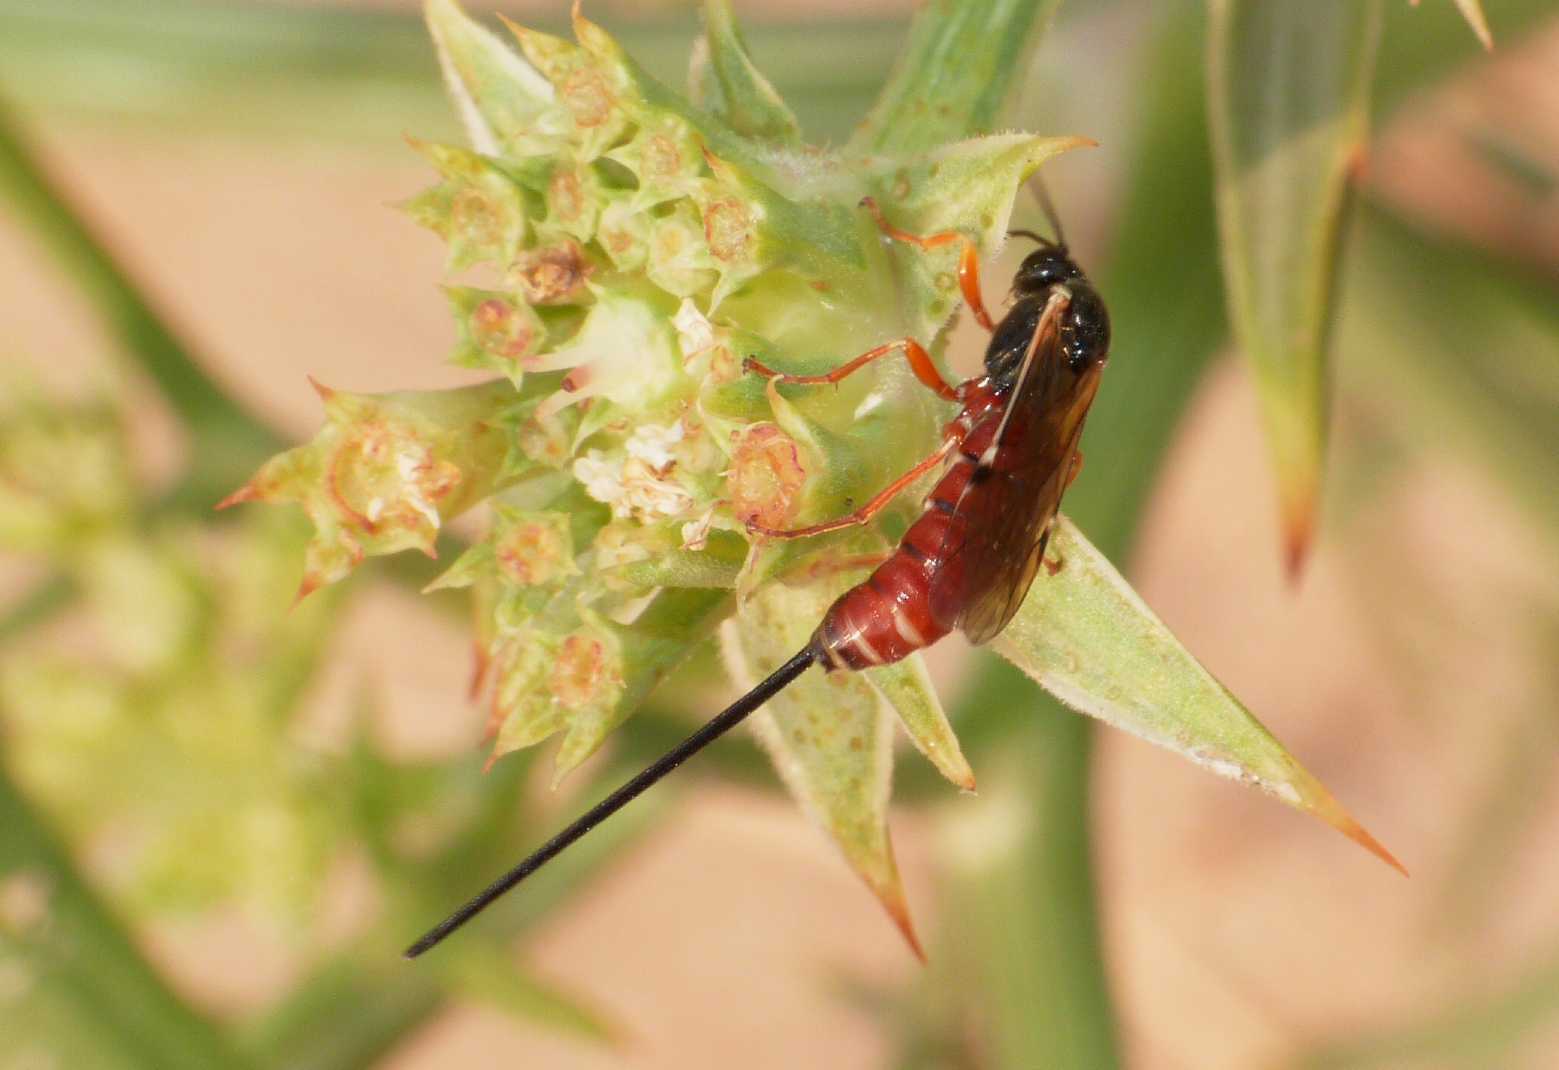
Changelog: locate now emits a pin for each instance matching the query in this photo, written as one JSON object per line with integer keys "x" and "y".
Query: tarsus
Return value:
{"x": 712, "y": 730}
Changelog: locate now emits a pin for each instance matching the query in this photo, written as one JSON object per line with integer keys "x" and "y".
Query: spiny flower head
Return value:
{"x": 616, "y": 253}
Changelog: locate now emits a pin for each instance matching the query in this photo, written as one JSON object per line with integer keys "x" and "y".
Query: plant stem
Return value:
{"x": 956, "y": 75}
{"x": 226, "y": 442}
{"x": 1023, "y": 894}
{"x": 83, "y": 951}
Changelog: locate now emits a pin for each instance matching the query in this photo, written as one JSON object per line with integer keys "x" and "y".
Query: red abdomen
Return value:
{"x": 910, "y": 600}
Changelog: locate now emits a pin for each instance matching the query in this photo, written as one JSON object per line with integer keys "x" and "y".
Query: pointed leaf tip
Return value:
{"x": 1299, "y": 494}
{"x": 1472, "y": 11}
{"x": 501, "y": 98}
{"x": 893, "y": 901}
{"x": 726, "y": 83}
{"x": 306, "y": 586}
{"x": 1361, "y": 836}
{"x": 1288, "y": 104}
{"x": 245, "y": 493}
{"x": 1314, "y": 799}
{"x": 1296, "y": 547}
{"x": 1086, "y": 637}
{"x": 907, "y": 688}
{"x": 830, "y": 736}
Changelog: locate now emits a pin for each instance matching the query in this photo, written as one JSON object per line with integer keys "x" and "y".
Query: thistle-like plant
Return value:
{"x": 618, "y": 252}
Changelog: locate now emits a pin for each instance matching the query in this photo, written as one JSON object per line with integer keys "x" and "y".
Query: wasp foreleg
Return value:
{"x": 919, "y": 361}
{"x": 968, "y": 259}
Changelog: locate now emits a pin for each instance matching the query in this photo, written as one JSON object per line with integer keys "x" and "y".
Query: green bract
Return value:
{"x": 621, "y": 251}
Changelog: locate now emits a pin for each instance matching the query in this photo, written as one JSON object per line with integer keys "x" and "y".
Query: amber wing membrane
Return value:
{"x": 1012, "y": 498}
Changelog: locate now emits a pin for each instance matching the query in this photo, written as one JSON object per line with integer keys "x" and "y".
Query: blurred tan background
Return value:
{"x": 1237, "y": 933}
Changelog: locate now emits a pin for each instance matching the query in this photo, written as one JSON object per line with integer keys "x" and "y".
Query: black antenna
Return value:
{"x": 728, "y": 719}
{"x": 1038, "y": 239}
{"x": 1042, "y": 194}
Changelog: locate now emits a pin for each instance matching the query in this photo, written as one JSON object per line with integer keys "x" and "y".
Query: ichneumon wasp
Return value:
{"x": 970, "y": 558}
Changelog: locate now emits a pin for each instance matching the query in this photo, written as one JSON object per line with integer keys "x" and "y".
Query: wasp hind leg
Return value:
{"x": 1057, "y": 563}
{"x": 871, "y": 508}
{"x": 1052, "y": 564}
{"x": 968, "y": 258}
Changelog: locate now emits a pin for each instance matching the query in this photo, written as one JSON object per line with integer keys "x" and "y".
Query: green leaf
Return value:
{"x": 1022, "y": 898}
{"x": 906, "y": 687}
{"x": 1288, "y": 89}
{"x": 829, "y": 735}
{"x": 725, "y": 83}
{"x": 1165, "y": 298}
{"x": 1086, "y": 637}
{"x": 1461, "y": 361}
{"x": 503, "y": 101}
{"x": 962, "y": 63}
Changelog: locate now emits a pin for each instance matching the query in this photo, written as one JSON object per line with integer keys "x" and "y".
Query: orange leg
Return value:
{"x": 968, "y": 259}
{"x": 871, "y": 508}
{"x": 1057, "y": 563}
{"x": 919, "y": 361}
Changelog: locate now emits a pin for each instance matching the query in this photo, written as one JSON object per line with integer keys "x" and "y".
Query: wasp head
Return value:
{"x": 1043, "y": 268}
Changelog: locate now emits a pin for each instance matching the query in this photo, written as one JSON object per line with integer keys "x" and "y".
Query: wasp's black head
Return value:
{"x": 1083, "y": 333}
{"x": 1085, "y": 326}
{"x": 1043, "y": 268}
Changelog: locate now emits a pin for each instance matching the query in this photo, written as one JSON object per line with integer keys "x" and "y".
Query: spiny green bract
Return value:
{"x": 621, "y": 251}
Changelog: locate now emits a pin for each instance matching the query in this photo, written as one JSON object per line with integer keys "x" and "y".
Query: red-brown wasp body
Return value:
{"x": 970, "y": 558}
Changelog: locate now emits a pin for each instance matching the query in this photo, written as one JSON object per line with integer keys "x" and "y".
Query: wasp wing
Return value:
{"x": 1014, "y": 492}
